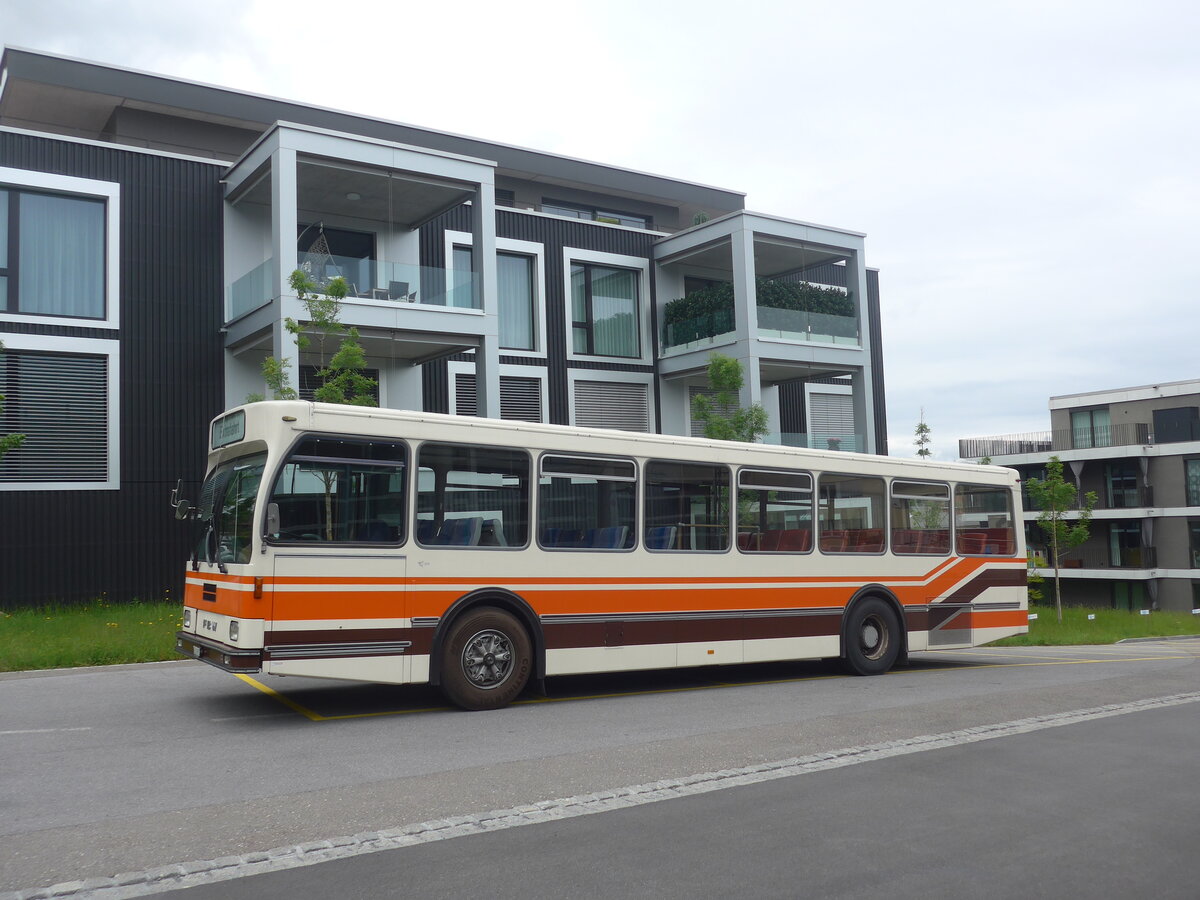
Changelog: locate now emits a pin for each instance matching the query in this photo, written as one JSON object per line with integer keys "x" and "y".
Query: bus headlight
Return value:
{"x": 233, "y": 631}
{"x": 187, "y": 618}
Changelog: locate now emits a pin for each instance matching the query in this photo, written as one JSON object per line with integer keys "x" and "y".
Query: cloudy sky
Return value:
{"x": 1026, "y": 172}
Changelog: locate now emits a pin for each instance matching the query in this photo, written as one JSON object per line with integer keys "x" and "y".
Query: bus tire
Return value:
{"x": 872, "y": 638}
{"x": 487, "y": 659}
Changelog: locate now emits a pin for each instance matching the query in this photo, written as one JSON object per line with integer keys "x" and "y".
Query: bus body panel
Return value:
{"x": 371, "y": 612}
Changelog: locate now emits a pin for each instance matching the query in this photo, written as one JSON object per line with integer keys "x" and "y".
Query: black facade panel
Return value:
{"x": 874, "y": 324}
{"x": 553, "y": 234}
{"x": 70, "y": 546}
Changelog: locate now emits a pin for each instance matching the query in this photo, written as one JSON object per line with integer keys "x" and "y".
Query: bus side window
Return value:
{"x": 586, "y": 503}
{"x": 851, "y": 514}
{"x": 470, "y": 496}
{"x": 338, "y": 491}
{"x": 774, "y": 511}
{"x": 920, "y": 517}
{"x": 687, "y": 506}
{"x": 983, "y": 520}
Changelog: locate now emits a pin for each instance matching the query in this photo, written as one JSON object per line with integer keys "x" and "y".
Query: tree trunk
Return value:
{"x": 1057, "y": 587}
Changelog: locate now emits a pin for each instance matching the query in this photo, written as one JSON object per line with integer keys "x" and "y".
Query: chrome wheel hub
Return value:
{"x": 487, "y": 659}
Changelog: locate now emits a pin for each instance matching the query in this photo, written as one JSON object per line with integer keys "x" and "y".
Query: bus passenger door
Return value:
{"x": 336, "y": 526}
{"x": 339, "y": 615}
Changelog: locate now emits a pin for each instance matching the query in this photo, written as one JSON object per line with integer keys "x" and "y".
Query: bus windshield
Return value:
{"x": 227, "y": 502}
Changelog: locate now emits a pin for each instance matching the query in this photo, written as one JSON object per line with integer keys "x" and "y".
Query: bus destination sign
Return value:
{"x": 229, "y": 429}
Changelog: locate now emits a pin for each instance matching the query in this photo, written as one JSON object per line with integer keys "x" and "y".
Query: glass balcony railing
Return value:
{"x": 250, "y": 291}
{"x": 796, "y": 325}
{"x": 781, "y": 324}
{"x": 370, "y": 279}
{"x": 698, "y": 332}
{"x": 848, "y": 443}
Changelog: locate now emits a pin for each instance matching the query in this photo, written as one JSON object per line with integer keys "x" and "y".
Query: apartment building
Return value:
{"x": 1138, "y": 450}
{"x": 151, "y": 227}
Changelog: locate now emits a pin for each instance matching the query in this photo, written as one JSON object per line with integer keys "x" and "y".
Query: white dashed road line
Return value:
{"x": 192, "y": 874}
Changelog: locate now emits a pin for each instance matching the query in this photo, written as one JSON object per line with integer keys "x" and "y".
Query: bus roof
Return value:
{"x": 333, "y": 418}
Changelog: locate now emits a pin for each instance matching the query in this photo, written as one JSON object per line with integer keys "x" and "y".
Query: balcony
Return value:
{"x": 788, "y": 310}
{"x": 340, "y": 206}
{"x": 1123, "y": 435}
{"x": 1106, "y": 558}
{"x": 1115, "y": 498}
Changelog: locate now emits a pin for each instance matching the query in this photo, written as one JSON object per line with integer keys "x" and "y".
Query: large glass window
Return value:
{"x": 514, "y": 285}
{"x": 335, "y": 491}
{"x": 1121, "y": 481}
{"x": 587, "y": 503}
{"x": 594, "y": 214}
{"x": 1191, "y": 469}
{"x": 920, "y": 517}
{"x": 1174, "y": 425}
{"x": 774, "y": 512}
{"x": 851, "y": 514}
{"x": 52, "y": 261}
{"x": 604, "y": 311}
{"x": 687, "y": 506}
{"x": 983, "y": 520}
{"x": 1091, "y": 428}
{"x": 472, "y": 496}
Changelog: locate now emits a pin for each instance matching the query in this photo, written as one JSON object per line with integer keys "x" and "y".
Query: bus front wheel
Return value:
{"x": 873, "y": 640}
{"x": 486, "y": 659}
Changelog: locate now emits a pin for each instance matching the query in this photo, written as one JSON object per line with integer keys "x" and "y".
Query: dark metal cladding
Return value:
{"x": 125, "y": 542}
{"x": 553, "y": 234}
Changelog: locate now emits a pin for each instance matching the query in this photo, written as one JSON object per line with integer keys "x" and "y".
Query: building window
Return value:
{"x": 1192, "y": 479}
{"x": 516, "y": 298}
{"x": 594, "y": 213}
{"x": 52, "y": 254}
{"x": 1122, "y": 484}
{"x": 520, "y": 397}
{"x": 604, "y": 311}
{"x": 1174, "y": 425}
{"x": 1091, "y": 428}
{"x": 624, "y": 405}
{"x": 64, "y": 403}
{"x": 1194, "y": 542}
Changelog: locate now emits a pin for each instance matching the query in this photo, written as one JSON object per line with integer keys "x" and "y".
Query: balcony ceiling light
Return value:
{"x": 353, "y": 195}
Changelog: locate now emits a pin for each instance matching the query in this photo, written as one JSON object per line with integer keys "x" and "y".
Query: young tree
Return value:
{"x": 923, "y": 438}
{"x": 341, "y": 375}
{"x": 742, "y": 424}
{"x": 1055, "y": 498}
{"x": 8, "y": 441}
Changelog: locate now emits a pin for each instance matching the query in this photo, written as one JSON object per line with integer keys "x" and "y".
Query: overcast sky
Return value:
{"x": 1026, "y": 173}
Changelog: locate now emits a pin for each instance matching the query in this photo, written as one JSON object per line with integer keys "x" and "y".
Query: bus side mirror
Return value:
{"x": 272, "y": 519}
{"x": 182, "y": 508}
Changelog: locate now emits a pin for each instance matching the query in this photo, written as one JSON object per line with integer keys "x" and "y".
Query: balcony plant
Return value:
{"x": 708, "y": 311}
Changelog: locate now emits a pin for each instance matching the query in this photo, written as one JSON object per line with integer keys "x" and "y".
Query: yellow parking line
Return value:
{"x": 1049, "y": 661}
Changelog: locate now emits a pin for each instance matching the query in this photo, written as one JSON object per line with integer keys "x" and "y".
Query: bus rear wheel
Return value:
{"x": 873, "y": 640}
{"x": 486, "y": 660}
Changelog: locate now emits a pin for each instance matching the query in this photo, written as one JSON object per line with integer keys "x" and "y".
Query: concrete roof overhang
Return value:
{"x": 781, "y": 246}
{"x": 49, "y": 92}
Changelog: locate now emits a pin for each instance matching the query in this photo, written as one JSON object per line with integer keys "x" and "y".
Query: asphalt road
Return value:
{"x": 120, "y": 770}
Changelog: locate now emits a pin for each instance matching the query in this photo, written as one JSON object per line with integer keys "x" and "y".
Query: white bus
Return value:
{"x": 474, "y": 554}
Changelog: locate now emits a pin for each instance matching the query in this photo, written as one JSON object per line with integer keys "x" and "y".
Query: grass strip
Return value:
{"x": 102, "y": 633}
{"x": 1107, "y": 626}
{"x": 92, "y": 634}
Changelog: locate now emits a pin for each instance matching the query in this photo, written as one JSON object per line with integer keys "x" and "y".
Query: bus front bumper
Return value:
{"x": 229, "y": 659}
